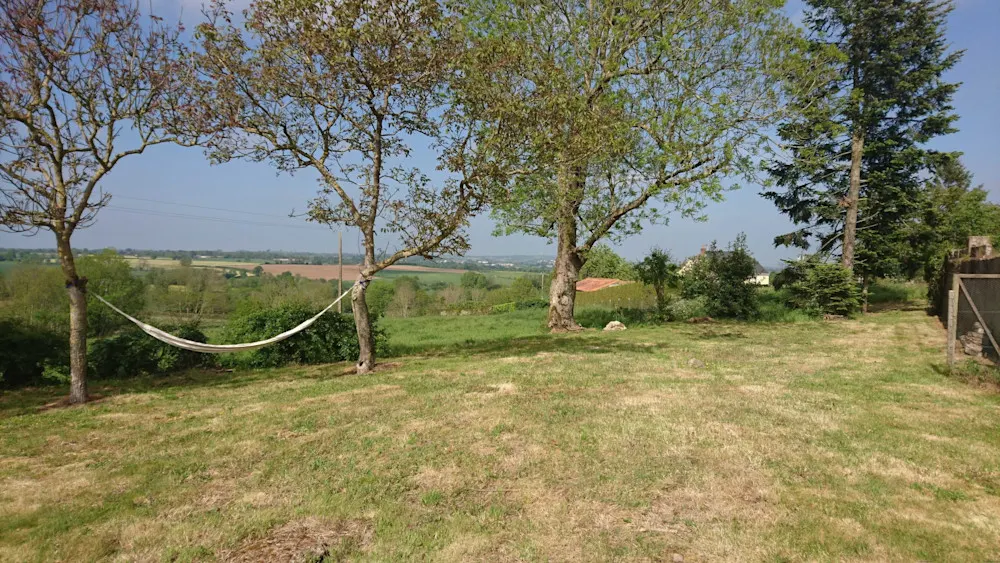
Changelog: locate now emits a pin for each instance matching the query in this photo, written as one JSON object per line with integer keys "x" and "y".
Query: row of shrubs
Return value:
{"x": 720, "y": 281}
{"x": 32, "y": 355}
{"x": 518, "y": 306}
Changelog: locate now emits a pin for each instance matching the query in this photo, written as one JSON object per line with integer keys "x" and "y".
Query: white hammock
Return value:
{"x": 217, "y": 348}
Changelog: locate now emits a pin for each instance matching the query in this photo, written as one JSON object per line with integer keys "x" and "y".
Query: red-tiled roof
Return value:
{"x": 595, "y": 284}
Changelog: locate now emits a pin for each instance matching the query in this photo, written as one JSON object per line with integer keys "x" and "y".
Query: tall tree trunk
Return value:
{"x": 562, "y": 290}
{"x": 864, "y": 293}
{"x": 853, "y": 196}
{"x": 77, "y": 289}
{"x": 569, "y": 261}
{"x": 363, "y": 324}
{"x": 362, "y": 319}
{"x": 661, "y": 299}
{"x": 78, "y": 341}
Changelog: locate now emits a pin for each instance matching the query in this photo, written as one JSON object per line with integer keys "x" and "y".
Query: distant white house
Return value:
{"x": 761, "y": 275}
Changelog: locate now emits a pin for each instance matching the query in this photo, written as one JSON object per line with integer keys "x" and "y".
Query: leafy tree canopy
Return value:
{"x": 603, "y": 262}
{"x": 630, "y": 111}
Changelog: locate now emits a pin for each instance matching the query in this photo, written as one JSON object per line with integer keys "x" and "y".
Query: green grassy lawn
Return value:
{"x": 454, "y": 334}
{"x": 835, "y": 441}
{"x": 498, "y": 277}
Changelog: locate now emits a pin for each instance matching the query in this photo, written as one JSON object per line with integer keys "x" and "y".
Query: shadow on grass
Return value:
{"x": 586, "y": 341}
{"x": 980, "y": 372}
{"x": 897, "y": 306}
{"x": 590, "y": 341}
{"x": 30, "y": 400}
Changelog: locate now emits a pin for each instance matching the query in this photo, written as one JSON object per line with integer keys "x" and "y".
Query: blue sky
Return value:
{"x": 174, "y": 174}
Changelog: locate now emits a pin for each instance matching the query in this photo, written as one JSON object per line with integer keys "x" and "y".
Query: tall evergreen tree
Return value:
{"x": 850, "y": 174}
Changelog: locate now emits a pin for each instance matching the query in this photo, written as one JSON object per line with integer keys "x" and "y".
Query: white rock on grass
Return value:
{"x": 614, "y": 325}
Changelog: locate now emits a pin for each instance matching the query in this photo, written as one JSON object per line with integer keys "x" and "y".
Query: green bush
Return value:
{"x": 532, "y": 304}
{"x": 331, "y": 338}
{"x": 36, "y": 298}
{"x": 603, "y": 262}
{"x": 378, "y": 296}
{"x": 684, "y": 309}
{"x": 896, "y": 291}
{"x": 474, "y": 280}
{"x": 658, "y": 271}
{"x": 132, "y": 352}
{"x": 111, "y": 277}
{"x": 28, "y": 353}
{"x": 503, "y": 308}
{"x": 824, "y": 289}
{"x": 794, "y": 271}
{"x": 723, "y": 279}
{"x": 774, "y": 308}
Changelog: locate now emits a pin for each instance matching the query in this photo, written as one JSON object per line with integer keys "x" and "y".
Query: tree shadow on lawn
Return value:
{"x": 30, "y": 400}
{"x": 584, "y": 342}
{"x": 978, "y": 372}
{"x": 897, "y": 306}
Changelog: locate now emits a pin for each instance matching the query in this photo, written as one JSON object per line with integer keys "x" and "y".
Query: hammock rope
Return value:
{"x": 218, "y": 348}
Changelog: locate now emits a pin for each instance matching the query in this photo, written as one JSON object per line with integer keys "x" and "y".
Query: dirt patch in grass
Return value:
{"x": 559, "y": 355}
{"x": 309, "y": 539}
{"x": 505, "y": 388}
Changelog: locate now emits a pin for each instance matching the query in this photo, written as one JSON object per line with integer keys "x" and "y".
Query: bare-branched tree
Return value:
{"x": 83, "y": 84}
{"x": 348, "y": 89}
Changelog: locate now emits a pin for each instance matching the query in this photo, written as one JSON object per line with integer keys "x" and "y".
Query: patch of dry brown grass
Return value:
{"x": 308, "y": 539}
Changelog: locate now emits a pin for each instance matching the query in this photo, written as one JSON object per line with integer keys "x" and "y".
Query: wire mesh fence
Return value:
{"x": 974, "y": 317}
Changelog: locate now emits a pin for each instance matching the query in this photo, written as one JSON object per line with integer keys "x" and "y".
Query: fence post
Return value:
{"x": 952, "y": 319}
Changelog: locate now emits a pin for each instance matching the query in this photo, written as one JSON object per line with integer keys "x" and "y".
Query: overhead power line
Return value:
{"x": 268, "y": 215}
{"x": 157, "y": 213}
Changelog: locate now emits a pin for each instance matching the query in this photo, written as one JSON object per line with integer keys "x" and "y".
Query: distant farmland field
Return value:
{"x": 331, "y": 271}
{"x": 426, "y": 275}
{"x": 164, "y": 262}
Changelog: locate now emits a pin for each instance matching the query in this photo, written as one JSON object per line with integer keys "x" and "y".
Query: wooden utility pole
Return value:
{"x": 340, "y": 276}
